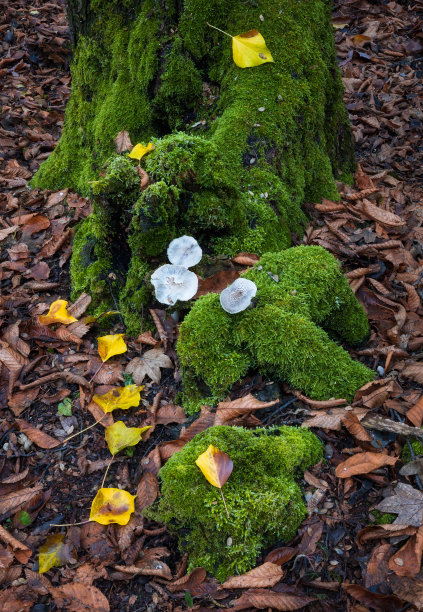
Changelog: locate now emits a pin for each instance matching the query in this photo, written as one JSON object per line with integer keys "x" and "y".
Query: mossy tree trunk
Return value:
{"x": 237, "y": 150}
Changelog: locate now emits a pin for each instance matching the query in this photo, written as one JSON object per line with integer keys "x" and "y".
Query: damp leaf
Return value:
{"x": 111, "y": 345}
{"x": 120, "y": 397}
{"x": 57, "y": 314}
{"x": 215, "y": 465}
{"x": 249, "y": 50}
{"x": 53, "y": 553}
{"x": 119, "y": 436}
{"x": 140, "y": 150}
{"x": 112, "y": 506}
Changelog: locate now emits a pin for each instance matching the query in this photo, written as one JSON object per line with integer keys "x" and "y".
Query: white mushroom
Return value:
{"x": 237, "y": 297}
{"x": 184, "y": 251}
{"x": 173, "y": 283}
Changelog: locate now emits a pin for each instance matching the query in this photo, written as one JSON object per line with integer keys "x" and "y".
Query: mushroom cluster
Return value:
{"x": 173, "y": 282}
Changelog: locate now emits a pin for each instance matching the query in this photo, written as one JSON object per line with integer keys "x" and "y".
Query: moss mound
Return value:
{"x": 302, "y": 300}
{"x": 264, "y": 500}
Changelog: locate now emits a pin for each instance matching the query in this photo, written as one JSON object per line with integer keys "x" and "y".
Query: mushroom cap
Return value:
{"x": 173, "y": 283}
{"x": 237, "y": 297}
{"x": 184, "y": 251}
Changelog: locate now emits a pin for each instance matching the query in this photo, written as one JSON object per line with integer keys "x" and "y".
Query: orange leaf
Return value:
{"x": 112, "y": 506}
{"x": 215, "y": 465}
{"x": 363, "y": 463}
{"x": 111, "y": 345}
{"x": 57, "y": 314}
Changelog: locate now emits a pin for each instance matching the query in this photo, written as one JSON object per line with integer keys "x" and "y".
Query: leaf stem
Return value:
{"x": 223, "y": 31}
{"x": 107, "y": 469}
{"x": 83, "y": 430}
{"x": 96, "y": 372}
{"x": 70, "y": 524}
{"x": 224, "y": 502}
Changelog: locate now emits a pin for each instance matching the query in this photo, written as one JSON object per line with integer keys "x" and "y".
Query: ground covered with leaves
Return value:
{"x": 361, "y": 546}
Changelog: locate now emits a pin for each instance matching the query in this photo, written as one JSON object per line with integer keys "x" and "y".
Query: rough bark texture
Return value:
{"x": 237, "y": 150}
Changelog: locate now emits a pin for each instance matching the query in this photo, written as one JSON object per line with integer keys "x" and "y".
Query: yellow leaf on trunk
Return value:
{"x": 57, "y": 314}
{"x": 112, "y": 506}
{"x": 215, "y": 465}
{"x": 249, "y": 50}
{"x": 119, "y": 436}
{"x": 120, "y": 397}
{"x": 111, "y": 345}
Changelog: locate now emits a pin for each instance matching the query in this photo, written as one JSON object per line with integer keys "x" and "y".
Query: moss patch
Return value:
{"x": 265, "y": 502}
{"x": 301, "y": 293}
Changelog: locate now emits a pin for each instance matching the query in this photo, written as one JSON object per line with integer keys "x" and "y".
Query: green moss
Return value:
{"x": 265, "y": 502}
{"x": 383, "y": 518}
{"x": 301, "y": 292}
{"x": 417, "y": 447}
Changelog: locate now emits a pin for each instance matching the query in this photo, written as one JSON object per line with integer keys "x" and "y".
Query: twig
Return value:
{"x": 224, "y": 502}
{"x": 159, "y": 326}
{"x": 107, "y": 469}
{"x": 68, "y": 376}
{"x": 319, "y": 404}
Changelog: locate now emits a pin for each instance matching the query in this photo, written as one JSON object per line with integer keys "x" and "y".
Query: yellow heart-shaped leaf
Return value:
{"x": 249, "y": 49}
{"x": 119, "y": 436}
{"x": 57, "y": 314}
{"x": 113, "y": 344}
{"x": 112, "y": 506}
{"x": 215, "y": 465}
{"x": 140, "y": 150}
{"x": 52, "y": 552}
{"x": 120, "y": 397}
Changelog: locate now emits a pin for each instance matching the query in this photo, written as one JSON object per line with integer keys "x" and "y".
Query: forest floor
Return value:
{"x": 341, "y": 559}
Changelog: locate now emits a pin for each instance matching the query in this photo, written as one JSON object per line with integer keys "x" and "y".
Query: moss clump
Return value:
{"x": 383, "y": 518}
{"x": 264, "y": 501}
{"x": 301, "y": 292}
{"x": 417, "y": 447}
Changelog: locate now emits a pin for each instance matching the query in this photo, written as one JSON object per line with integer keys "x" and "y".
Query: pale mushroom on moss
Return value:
{"x": 184, "y": 251}
{"x": 237, "y": 297}
{"x": 173, "y": 283}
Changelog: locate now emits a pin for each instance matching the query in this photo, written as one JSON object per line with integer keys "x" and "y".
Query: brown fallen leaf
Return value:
{"x": 377, "y": 568}
{"x": 17, "y": 599}
{"x": 226, "y": 411}
{"x": 78, "y": 308}
{"x": 407, "y": 503}
{"x": 22, "y": 400}
{"x": 266, "y": 575}
{"x": 281, "y": 555}
{"x": 37, "y": 436}
{"x": 149, "y": 364}
{"x": 265, "y": 598}
{"x": 408, "y": 589}
{"x": 21, "y": 552}
{"x": 88, "y": 572}
{"x": 415, "y": 414}
{"x": 387, "y": 603}
{"x": 104, "y": 419}
{"x": 147, "y": 491}
{"x": 333, "y": 418}
{"x": 363, "y": 463}
{"x": 13, "y": 502}
{"x": 204, "y": 421}
{"x": 36, "y": 224}
{"x": 407, "y": 560}
{"x": 76, "y": 596}
{"x": 123, "y": 142}
{"x": 170, "y": 414}
{"x": 6, "y": 558}
{"x": 375, "y": 532}
{"x": 188, "y": 582}
{"x": 414, "y": 372}
{"x": 384, "y": 217}
{"x": 413, "y": 468}
{"x": 216, "y": 283}
{"x": 351, "y": 422}
{"x": 246, "y": 259}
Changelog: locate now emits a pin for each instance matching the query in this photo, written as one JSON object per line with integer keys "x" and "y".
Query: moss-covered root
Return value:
{"x": 300, "y": 292}
{"x": 264, "y": 501}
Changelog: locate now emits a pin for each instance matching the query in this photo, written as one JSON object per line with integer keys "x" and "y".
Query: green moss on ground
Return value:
{"x": 417, "y": 447}
{"x": 300, "y": 293}
{"x": 265, "y": 502}
{"x": 385, "y": 518}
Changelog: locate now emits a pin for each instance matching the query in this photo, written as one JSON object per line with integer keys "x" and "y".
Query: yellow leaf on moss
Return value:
{"x": 120, "y": 397}
{"x": 111, "y": 345}
{"x": 119, "y": 436}
{"x": 249, "y": 49}
{"x": 52, "y": 553}
{"x": 57, "y": 314}
{"x": 140, "y": 150}
{"x": 112, "y": 506}
{"x": 215, "y": 465}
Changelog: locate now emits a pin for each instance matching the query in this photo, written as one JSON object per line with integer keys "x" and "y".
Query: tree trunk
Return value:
{"x": 237, "y": 150}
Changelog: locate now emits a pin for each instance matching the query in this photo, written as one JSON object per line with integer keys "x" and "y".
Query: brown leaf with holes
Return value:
{"x": 37, "y": 436}
{"x": 147, "y": 491}
{"x": 363, "y": 463}
{"x": 76, "y": 596}
{"x": 266, "y": 575}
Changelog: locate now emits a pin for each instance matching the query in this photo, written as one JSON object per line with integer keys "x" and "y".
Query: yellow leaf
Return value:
{"x": 249, "y": 49}
{"x": 90, "y": 319}
{"x": 140, "y": 150}
{"x": 52, "y": 553}
{"x": 120, "y": 397}
{"x": 111, "y": 345}
{"x": 215, "y": 465}
{"x": 57, "y": 314}
{"x": 119, "y": 436}
{"x": 112, "y": 506}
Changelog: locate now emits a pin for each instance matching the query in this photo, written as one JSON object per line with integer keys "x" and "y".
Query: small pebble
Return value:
{"x": 262, "y": 108}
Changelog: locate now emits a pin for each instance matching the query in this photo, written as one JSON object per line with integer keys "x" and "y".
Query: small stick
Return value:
{"x": 70, "y": 524}
{"x": 214, "y": 27}
{"x": 95, "y": 373}
{"x": 107, "y": 469}
{"x": 159, "y": 326}
{"x": 224, "y": 502}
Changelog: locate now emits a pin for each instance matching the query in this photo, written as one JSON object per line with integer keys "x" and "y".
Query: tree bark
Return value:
{"x": 237, "y": 150}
